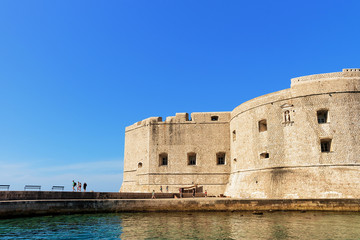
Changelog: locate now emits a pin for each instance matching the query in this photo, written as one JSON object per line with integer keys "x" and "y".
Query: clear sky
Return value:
{"x": 74, "y": 74}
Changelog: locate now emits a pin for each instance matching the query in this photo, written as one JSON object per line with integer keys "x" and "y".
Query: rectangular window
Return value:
{"x": 163, "y": 159}
{"x": 262, "y": 125}
{"x": 325, "y": 145}
{"x": 322, "y": 116}
{"x": 220, "y": 158}
{"x": 214, "y": 118}
{"x": 191, "y": 158}
{"x": 234, "y": 135}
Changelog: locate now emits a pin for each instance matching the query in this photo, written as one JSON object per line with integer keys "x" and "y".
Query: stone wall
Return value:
{"x": 46, "y": 195}
{"x": 22, "y": 208}
{"x": 276, "y": 145}
{"x": 204, "y": 135}
{"x": 296, "y": 167}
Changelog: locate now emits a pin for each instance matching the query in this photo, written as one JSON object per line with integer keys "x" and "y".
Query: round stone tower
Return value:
{"x": 302, "y": 142}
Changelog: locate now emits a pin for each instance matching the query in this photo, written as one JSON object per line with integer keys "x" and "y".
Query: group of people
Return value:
{"x": 167, "y": 189}
{"x": 78, "y": 186}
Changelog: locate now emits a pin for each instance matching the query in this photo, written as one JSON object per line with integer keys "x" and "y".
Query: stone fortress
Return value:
{"x": 301, "y": 142}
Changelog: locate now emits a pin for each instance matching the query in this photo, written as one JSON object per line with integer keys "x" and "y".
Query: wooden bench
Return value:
{"x": 61, "y": 188}
{"x": 37, "y": 187}
{"x": 7, "y": 187}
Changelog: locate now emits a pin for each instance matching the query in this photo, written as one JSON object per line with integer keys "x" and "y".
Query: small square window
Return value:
{"x": 192, "y": 159}
{"x": 322, "y": 116}
{"x": 163, "y": 159}
{"x": 325, "y": 145}
{"x": 214, "y": 118}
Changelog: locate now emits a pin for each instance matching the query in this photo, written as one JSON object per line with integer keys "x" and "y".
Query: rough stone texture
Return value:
{"x": 177, "y": 136}
{"x": 42, "y": 195}
{"x": 23, "y": 208}
{"x": 296, "y": 168}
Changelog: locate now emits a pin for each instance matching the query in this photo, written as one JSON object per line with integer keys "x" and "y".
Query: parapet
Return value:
{"x": 144, "y": 122}
{"x": 346, "y": 73}
{"x": 198, "y": 117}
{"x": 210, "y": 117}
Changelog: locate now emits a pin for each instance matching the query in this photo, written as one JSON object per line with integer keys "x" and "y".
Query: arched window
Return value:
{"x": 287, "y": 116}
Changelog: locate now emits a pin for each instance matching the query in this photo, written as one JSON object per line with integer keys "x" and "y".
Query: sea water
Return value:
{"x": 176, "y": 225}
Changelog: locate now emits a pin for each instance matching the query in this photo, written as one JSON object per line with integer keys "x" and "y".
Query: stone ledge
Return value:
{"x": 22, "y": 208}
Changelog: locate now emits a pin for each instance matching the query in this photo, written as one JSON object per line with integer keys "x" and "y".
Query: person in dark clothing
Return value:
{"x": 84, "y": 186}
{"x": 74, "y": 185}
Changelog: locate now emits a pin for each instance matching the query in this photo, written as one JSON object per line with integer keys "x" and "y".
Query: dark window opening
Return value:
{"x": 322, "y": 116}
{"x": 234, "y": 135}
{"x": 140, "y": 165}
{"x": 214, "y": 118}
{"x": 264, "y": 155}
{"x": 325, "y": 145}
{"x": 191, "y": 158}
{"x": 163, "y": 158}
{"x": 262, "y": 125}
{"x": 220, "y": 158}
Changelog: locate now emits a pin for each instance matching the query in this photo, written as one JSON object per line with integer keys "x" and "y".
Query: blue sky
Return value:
{"x": 74, "y": 74}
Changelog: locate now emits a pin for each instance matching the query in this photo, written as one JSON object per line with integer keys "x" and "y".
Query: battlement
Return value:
{"x": 346, "y": 73}
{"x": 351, "y": 70}
{"x": 196, "y": 117}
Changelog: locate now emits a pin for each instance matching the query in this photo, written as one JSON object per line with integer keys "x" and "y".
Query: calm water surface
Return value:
{"x": 214, "y": 225}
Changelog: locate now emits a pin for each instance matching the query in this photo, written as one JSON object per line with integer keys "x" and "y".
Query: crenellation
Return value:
{"x": 351, "y": 70}
{"x": 182, "y": 117}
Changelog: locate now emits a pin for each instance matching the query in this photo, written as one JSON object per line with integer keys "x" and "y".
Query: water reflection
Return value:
{"x": 225, "y": 225}
{"x": 213, "y": 225}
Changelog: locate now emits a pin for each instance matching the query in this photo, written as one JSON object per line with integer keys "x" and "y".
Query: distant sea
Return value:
{"x": 197, "y": 225}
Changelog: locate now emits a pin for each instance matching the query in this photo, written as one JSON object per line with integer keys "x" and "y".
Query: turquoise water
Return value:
{"x": 213, "y": 225}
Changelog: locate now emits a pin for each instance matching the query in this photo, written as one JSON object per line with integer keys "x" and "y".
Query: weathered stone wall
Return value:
{"x": 136, "y": 156}
{"x": 46, "y": 195}
{"x": 296, "y": 167}
{"x": 177, "y": 137}
{"x": 279, "y": 159}
{"x": 22, "y": 208}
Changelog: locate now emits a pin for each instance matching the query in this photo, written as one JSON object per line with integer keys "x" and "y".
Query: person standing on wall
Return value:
{"x": 84, "y": 186}
{"x": 153, "y": 195}
{"x": 160, "y": 188}
{"x": 74, "y": 185}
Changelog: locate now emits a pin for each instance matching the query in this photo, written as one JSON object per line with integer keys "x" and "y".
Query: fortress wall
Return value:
{"x": 283, "y": 161}
{"x": 136, "y": 156}
{"x": 295, "y": 162}
{"x": 177, "y": 137}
